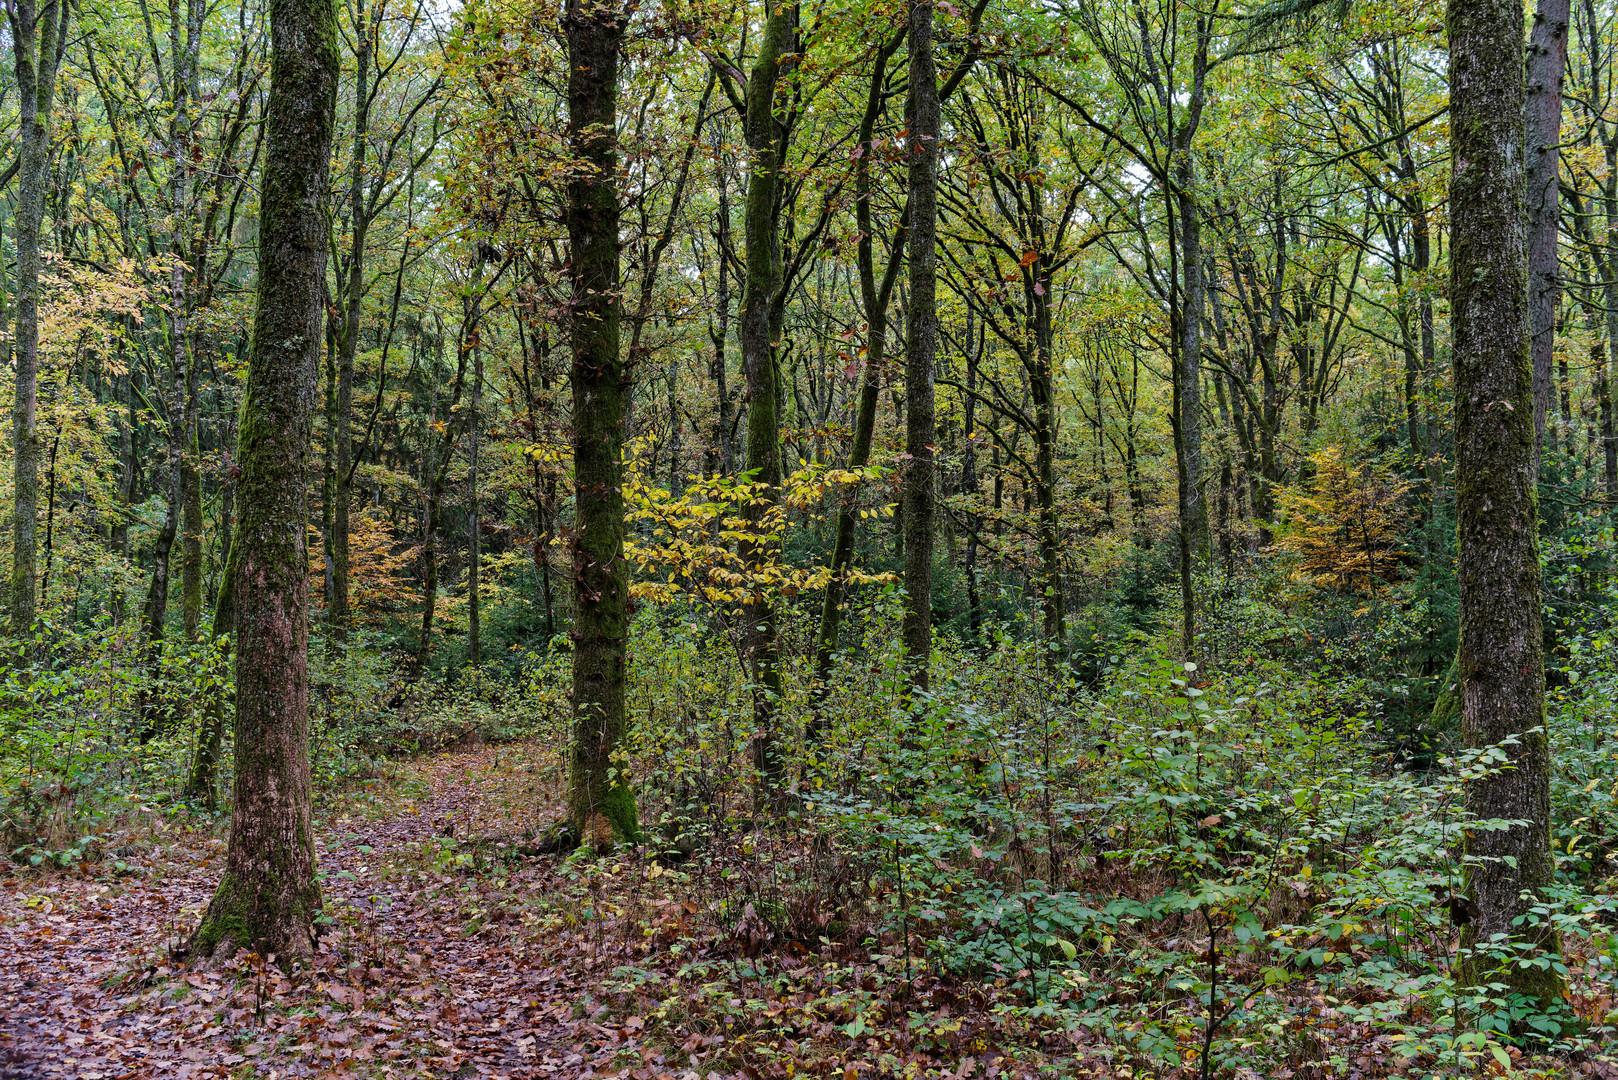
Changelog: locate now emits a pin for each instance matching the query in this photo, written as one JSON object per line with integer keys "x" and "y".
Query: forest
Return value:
{"x": 868, "y": 538}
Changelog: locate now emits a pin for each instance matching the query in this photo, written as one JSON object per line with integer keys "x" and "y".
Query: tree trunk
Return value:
{"x": 1547, "y": 61}
{"x": 763, "y": 275}
{"x": 126, "y": 479}
{"x": 149, "y": 705}
{"x": 601, "y": 803}
{"x": 1501, "y": 667}
{"x": 721, "y": 454}
{"x": 201, "y": 787}
{"x": 38, "y": 35}
{"x": 921, "y": 346}
{"x": 1609, "y": 439}
{"x": 269, "y": 896}
{"x": 969, "y": 485}
{"x": 191, "y": 518}
{"x": 435, "y": 474}
{"x": 337, "y": 616}
{"x": 474, "y": 549}
{"x": 1042, "y": 386}
{"x": 1188, "y": 407}
{"x": 875, "y": 300}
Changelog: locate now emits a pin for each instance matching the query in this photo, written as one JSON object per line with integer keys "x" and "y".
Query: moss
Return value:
{"x": 225, "y": 922}
{"x": 1447, "y": 709}
{"x": 618, "y": 807}
{"x": 1545, "y": 987}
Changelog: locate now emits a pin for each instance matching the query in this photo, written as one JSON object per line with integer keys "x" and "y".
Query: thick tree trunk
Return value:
{"x": 1501, "y": 667}
{"x": 1547, "y": 62}
{"x": 921, "y": 346}
{"x": 601, "y": 803}
{"x": 269, "y": 896}
{"x": 38, "y": 33}
{"x": 763, "y": 275}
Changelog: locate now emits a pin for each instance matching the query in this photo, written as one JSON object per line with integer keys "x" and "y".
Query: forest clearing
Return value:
{"x": 735, "y": 538}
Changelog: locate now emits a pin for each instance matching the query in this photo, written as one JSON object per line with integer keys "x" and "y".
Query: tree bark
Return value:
{"x": 763, "y": 275}
{"x": 191, "y": 516}
{"x": 353, "y": 296}
{"x": 1547, "y": 61}
{"x": 268, "y": 897}
{"x": 38, "y": 35}
{"x": 969, "y": 484}
{"x": 474, "y": 549}
{"x": 601, "y": 803}
{"x": 921, "y": 346}
{"x": 1501, "y": 667}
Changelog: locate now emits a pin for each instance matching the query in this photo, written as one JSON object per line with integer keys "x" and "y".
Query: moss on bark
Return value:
{"x": 761, "y": 286}
{"x": 598, "y": 786}
{"x": 269, "y": 896}
{"x": 1501, "y": 671}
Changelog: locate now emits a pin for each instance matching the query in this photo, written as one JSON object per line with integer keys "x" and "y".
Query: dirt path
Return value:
{"x": 424, "y": 970}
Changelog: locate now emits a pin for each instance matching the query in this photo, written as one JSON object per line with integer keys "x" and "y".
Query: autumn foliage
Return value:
{"x": 1344, "y": 527}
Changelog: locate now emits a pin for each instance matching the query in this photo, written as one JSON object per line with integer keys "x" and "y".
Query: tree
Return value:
{"x": 763, "y": 274}
{"x": 38, "y": 39}
{"x": 921, "y": 343}
{"x": 268, "y": 897}
{"x": 1547, "y": 63}
{"x": 1348, "y": 526}
{"x": 1163, "y": 98}
{"x": 874, "y": 302}
{"x": 1501, "y": 666}
{"x": 372, "y": 189}
{"x": 601, "y": 804}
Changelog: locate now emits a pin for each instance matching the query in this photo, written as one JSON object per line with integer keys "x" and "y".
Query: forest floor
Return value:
{"x": 420, "y": 971}
{"x": 448, "y": 953}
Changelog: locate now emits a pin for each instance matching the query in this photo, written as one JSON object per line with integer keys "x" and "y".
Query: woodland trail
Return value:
{"x": 424, "y": 971}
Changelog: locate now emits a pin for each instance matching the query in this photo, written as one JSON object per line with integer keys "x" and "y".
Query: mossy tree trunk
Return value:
{"x": 38, "y": 36}
{"x": 921, "y": 345}
{"x": 761, "y": 282}
{"x": 268, "y": 897}
{"x": 601, "y": 803}
{"x": 1502, "y": 674}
